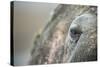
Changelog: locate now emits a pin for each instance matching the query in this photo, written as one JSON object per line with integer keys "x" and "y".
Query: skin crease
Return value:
{"x": 85, "y": 48}
{"x": 71, "y": 39}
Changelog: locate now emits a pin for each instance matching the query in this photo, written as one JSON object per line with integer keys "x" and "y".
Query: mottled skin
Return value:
{"x": 85, "y": 49}
{"x": 70, "y": 36}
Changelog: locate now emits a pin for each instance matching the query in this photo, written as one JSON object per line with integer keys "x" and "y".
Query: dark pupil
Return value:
{"x": 74, "y": 31}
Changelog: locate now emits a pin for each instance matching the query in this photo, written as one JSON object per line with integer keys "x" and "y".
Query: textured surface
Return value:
{"x": 55, "y": 45}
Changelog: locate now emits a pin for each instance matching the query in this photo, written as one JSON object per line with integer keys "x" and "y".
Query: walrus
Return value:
{"x": 70, "y": 36}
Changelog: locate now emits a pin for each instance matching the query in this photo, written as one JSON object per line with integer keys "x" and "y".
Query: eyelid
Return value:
{"x": 75, "y": 33}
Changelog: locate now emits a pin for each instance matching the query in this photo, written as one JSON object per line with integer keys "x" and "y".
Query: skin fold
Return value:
{"x": 70, "y": 36}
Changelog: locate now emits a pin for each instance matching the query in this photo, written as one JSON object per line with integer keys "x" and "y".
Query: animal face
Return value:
{"x": 80, "y": 42}
{"x": 70, "y": 36}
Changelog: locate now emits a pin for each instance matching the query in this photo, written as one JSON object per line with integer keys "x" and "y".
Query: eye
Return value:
{"x": 75, "y": 32}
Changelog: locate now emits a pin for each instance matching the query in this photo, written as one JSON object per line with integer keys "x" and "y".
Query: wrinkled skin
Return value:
{"x": 84, "y": 46}
{"x": 70, "y": 36}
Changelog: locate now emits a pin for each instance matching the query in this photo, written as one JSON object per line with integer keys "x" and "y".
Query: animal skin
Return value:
{"x": 70, "y": 36}
{"x": 83, "y": 46}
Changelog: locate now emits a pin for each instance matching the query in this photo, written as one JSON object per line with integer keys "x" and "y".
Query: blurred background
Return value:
{"x": 29, "y": 19}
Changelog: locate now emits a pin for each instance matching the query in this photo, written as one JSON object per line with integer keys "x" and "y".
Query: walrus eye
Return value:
{"x": 75, "y": 33}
